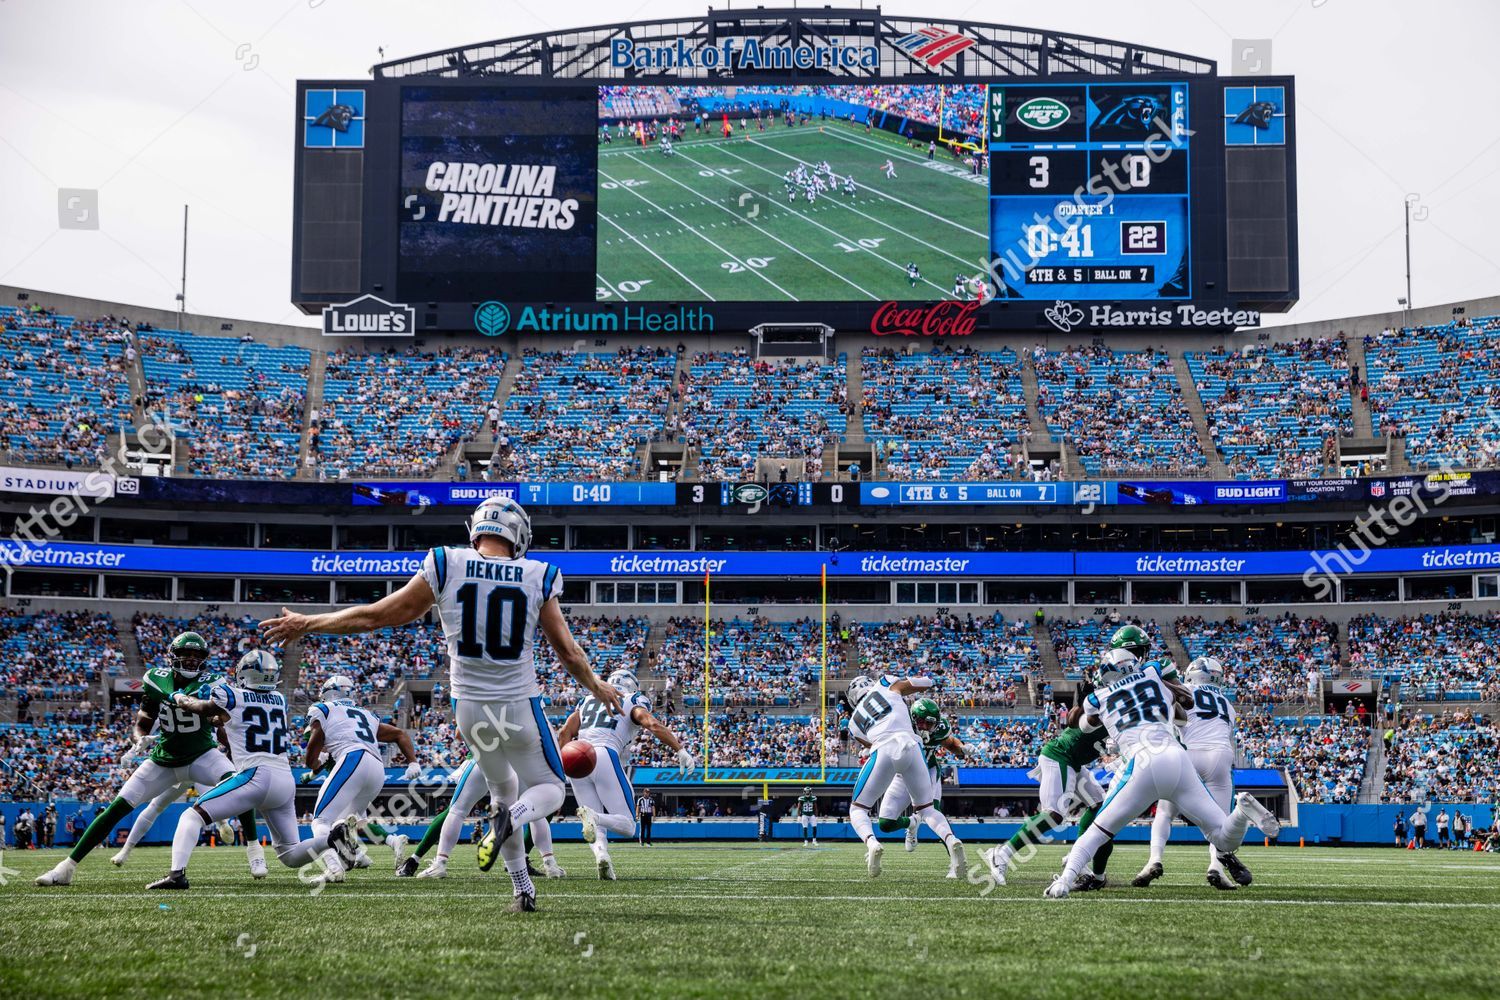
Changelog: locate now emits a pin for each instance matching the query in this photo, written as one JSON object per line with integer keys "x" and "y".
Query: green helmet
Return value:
{"x": 1131, "y": 638}
{"x": 925, "y": 714}
{"x": 189, "y": 654}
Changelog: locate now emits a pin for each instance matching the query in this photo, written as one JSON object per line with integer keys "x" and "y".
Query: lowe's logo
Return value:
{"x": 1043, "y": 113}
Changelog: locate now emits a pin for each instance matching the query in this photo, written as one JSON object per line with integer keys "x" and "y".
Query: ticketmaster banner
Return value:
{"x": 687, "y": 565}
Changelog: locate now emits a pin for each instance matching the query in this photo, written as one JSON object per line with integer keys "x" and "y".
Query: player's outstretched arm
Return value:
{"x": 404, "y": 606}
{"x": 572, "y": 656}
{"x": 643, "y": 718}
{"x": 957, "y": 745}
{"x": 911, "y": 685}
{"x": 388, "y": 733}
{"x": 200, "y": 706}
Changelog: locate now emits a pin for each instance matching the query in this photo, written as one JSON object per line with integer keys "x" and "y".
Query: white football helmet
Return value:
{"x": 1205, "y": 670}
{"x": 258, "y": 670}
{"x": 859, "y": 687}
{"x": 1114, "y": 664}
{"x": 336, "y": 688}
{"x": 504, "y": 517}
{"x": 625, "y": 681}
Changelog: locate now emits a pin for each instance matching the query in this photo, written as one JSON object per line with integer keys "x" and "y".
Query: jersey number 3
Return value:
{"x": 503, "y": 638}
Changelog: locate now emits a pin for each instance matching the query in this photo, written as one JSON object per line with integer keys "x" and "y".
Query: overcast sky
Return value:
{"x": 157, "y": 103}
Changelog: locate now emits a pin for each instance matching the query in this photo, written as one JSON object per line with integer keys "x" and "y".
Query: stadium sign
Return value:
{"x": 1069, "y": 316}
{"x": 739, "y": 53}
{"x": 939, "y": 319}
{"x": 369, "y": 316}
{"x": 98, "y": 485}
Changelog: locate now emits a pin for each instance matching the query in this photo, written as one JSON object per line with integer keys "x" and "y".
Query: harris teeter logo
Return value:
{"x": 1043, "y": 113}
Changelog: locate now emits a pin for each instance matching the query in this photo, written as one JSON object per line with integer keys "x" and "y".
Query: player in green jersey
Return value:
{"x": 180, "y": 750}
{"x": 936, "y": 735}
{"x": 807, "y": 814}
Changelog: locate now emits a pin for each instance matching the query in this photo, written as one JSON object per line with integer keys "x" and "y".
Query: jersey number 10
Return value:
{"x": 502, "y": 639}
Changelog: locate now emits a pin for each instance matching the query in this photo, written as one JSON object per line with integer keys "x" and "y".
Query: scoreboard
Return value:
{"x": 1089, "y": 190}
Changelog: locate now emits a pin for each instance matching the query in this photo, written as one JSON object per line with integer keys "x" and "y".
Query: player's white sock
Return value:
{"x": 186, "y": 838}
{"x": 859, "y": 818}
{"x": 1213, "y": 860}
{"x": 1082, "y": 853}
{"x": 141, "y": 826}
{"x": 541, "y": 836}
{"x": 520, "y": 879}
{"x": 937, "y": 823}
{"x": 453, "y": 827}
{"x": 1161, "y": 832}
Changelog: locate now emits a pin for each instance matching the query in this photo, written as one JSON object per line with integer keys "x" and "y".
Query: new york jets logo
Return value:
{"x": 1043, "y": 113}
{"x": 750, "y": 493}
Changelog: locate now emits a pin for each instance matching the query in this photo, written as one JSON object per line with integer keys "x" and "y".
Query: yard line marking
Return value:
{"x": 705, "y": 239}
{"x": 835, "y": 201}
{"x": 752, "y": 225}
{"x": 612, "y": 288}
{"x": 500, "y": 893}
{"x": 658, "y": 256}
{"x": 875, "y": 191}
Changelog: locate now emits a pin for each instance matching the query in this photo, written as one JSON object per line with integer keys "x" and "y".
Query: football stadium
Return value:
{"x": 765, "y": 502}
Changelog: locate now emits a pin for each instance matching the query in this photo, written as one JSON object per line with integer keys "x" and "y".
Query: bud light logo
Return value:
{"x": 492, "y": 318}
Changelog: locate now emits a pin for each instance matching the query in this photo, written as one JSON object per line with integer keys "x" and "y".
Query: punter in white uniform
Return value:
{"x": 490, "y": 600}
{"x": 880, "y": 720}
{"x": 1136, "y": 705}
{"x": 351, "y": 736}
{"x": 606, "y": 801}
{"x": 1208, "y": 735}
{"x": 253, "y": 715}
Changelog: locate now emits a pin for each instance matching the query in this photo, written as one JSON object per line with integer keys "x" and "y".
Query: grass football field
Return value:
{"x": 749, "y": 920}
{"x": 713, "y": 222}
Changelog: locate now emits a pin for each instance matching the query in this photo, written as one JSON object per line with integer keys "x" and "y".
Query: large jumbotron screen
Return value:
{"x": 1016, "y": 198}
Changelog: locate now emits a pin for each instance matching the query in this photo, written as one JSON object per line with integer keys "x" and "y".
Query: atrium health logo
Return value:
{"x": 492, "y": 318}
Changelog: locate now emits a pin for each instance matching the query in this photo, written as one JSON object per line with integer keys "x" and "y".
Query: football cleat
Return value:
{"x": 344, "y": 841}
{"x": 1057, "y": 890}
{"x": 872, "y": 858}
{"x": 957, "y": 859}
{"x": 362, "y": 860}
{"x": 996, "y": 863}
{"x": 1218, "y": 881}
{"x": 524, "y": 903}
{"x": 1237, "y": 869}
{"x": 590, "y": 830}
{"x": 436, "y": 868}
{"x": 174, "y": 880}
{"x": 488, "y": 851}
{"x": 1259, "y": 814}
{"x": 1148, "y": 874}
{"x": 407, "y": 867}
{"x": 258, "y": 869}
{"x": 1089, "y": 882}
{"x": 60, "y": 875}
{"x": 333, "y": 871}
{"x": 912, "y": 828}
{"x": 551, "y": 868}
{"x": 606, "y": 867}
{"x": 119, "y": 859}
{"x": 399, "y": 842}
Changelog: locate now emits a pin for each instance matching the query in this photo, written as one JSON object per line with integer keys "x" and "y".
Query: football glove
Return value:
{"x": 413, "y": 772}
{"x": 178, "y": 697}
{"x": 685, "y": 761}
{"x": 142, "y": 746}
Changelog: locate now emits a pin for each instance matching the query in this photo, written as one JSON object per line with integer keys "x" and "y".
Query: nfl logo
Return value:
{"x": 931, "y": 46}
{"x": 1377, "y": 490}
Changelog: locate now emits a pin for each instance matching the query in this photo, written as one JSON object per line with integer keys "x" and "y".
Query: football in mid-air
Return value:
{"x": 578, "y": 759}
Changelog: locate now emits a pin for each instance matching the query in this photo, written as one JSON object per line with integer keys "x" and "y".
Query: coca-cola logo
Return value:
{"x": 939, "y": 319}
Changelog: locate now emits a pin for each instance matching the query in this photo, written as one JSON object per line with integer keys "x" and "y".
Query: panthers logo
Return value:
{"x": 337, "y": 117}
{"x": 1133, "y": 113}
{"x": 1258, "y": 114}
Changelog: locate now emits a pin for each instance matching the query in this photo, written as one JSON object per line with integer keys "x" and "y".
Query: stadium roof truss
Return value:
{"x": 998, "y": 51}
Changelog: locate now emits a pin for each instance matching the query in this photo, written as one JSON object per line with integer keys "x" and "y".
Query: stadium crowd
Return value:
{"x": 1324, "y": 754}
{"x": 756, "y": 662}
{"x": 57, "y": 655}
{"x": 1438, "y": 656}
{"x": 57, "y": 761}
{"x": 1123, "y": 412}
{"x": 1275, "y": 660}
{"x": 735, "y": 408}
{"x": 945, "y": 414}
{"x": 1439, "y": 387}
{"x": 397, "y": 413}
{"x": 1453, "y": 757}
{"x": 976, "y": 661}
{"x": 1277, "y": 410}
{"x": 573, "y": 416}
